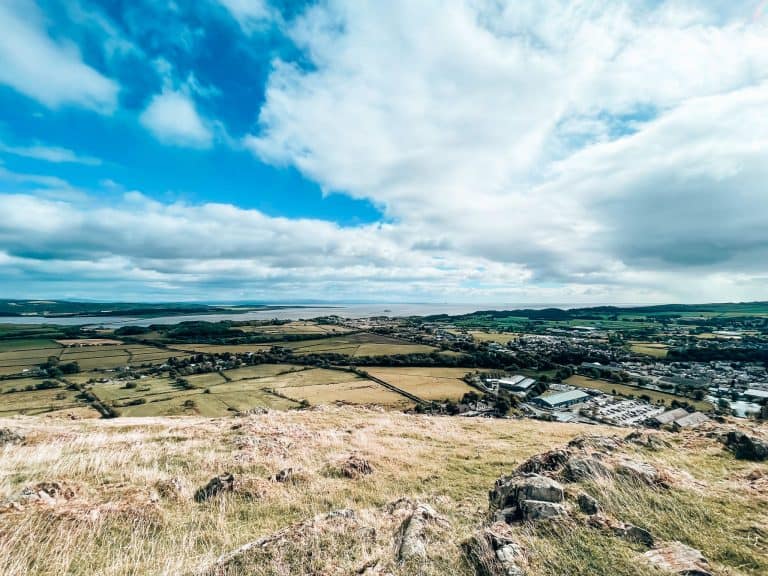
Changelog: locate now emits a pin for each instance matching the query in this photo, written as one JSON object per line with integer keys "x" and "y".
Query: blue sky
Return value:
{"x": 448, "y": 151}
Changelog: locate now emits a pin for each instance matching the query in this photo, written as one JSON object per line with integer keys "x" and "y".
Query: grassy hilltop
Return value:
{"x": 122, "y": 497}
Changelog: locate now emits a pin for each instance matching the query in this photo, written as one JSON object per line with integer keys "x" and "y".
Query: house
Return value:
{"x": 562, "y": 399}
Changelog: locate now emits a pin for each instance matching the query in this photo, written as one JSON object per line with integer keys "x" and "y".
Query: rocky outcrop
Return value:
{"x": 355, "y": 467}
{"x": 413, "y": 540}
{"x": 587, "y": 504}
{"x": 746, "y": 447}
{"x": 494, "y": 551}
{"x": 551, "y": 461}
{"x": 677, "y": 558}
{"x": 578, "y": 469}
{"x": 222, "y": 483}
{"x": 526, "y": 497}
{"x": 640, "y": 472}
{"x": 647, "y": 439}
{"x": 599, "y": 443}
{"x": 9, "y": 436}
{"x": 624, "y": 530}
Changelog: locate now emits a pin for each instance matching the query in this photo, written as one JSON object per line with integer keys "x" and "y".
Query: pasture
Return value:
{"x": 426, "y": 383}
{"x": 649, "y": 349}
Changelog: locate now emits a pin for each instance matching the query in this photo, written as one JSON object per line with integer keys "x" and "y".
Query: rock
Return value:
{"x": 640, "y": 471}
{"x": 578, "y": 469}
{"x": 494, "y": 551}
{"x": 587, "y": 504}
{"x": 47, "y": 493}
{"x": 651, "y": 440}
{"x": 636, "y": 534}
{"x": 355, "y": 467}
{"x": 746, "y": 447}
{"x": 550, "y": 461}
{"x": 8, "y": 436}
{"x": 677, "y": 558}
{"x": 600, "y": 443}
{"x": 510, "y": 492}
{"x": 285, "y": 475}
{"x": 413, "y": 541}
{"x": 170, "y": 489}
{"x": 535, "y": 510}
{"x": 222, "y": 483}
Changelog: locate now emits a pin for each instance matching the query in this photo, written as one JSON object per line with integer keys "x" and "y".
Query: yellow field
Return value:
{"x": 357, "y": 391}
{"x": 649, "y": 348}
{"x": 37, "y": 401}
{"x": 296, "y": 328}
{"x": 426, "y": 383}
{"x": 491, "y": 337}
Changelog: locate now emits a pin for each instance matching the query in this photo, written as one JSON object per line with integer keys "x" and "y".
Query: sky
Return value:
{"x": 569, "y": 151}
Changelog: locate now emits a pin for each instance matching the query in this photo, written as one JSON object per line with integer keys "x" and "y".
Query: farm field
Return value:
{"x": 38, "y": 401}
{"x": 358, "y": 344}
{"x": 260, "y": 371}
{"x": 501, "y": 338}
{"x": 624, "y": 390}
{"x": 649, "y": 348}
{"x": 426, "y": 383}
{"x": 295, "y": 328}
{"x": 356, "y": 391}
{"x": 175, "y": 349}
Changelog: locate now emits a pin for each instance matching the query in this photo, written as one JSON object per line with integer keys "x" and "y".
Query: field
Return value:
{"x": 110, "y": 357}
{"x": 426, "y": 383}
{"x": 358, "y": 344}
{"x": 649, "y": 348}
{"x": 19, "y": 355}
{"x": 174, "y": 349}
{"x": 298, "y": 327}
{"x": 501, "y": 338}
{"x": 624, "y": 390}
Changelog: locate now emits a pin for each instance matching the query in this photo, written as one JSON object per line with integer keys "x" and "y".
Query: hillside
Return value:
{"x": 341, "y": 490}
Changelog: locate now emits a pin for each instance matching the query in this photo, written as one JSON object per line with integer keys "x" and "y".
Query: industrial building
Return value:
{"x": 515, "y": 383}
{"x": 562, "y": 399}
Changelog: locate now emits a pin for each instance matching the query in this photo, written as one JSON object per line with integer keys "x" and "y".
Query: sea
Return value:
{"x": 289, "y": 312}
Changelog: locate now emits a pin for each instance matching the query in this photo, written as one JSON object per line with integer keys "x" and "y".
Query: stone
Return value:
{"x": 646, "y": 439}
{"x": 536, "y": 510}
{"x": 746, "y": 447}
{"x": 222, "y": 483}
{"x": 47, "y": 493}
{"x": 355, "y": 467}
{"x": 588, "y": 504}
{"x": 578, "y": 469}
{"x": 494, "y": 551}
{"x": 640, "y": 471}
{"x": 636, "y": 534}
{"x": 601, "y": 443}
{"x": 510, "y": 492}
{"x": 285, "y": 475}
{"x": 547, "y": 462}
{"x": 9, "y": 436}
{"x": 413, "y": 542}
{"x": 170, "y": 489}
{"x": 677, "y": 558}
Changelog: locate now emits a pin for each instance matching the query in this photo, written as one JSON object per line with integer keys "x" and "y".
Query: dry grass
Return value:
{"x": 116, "y": 525}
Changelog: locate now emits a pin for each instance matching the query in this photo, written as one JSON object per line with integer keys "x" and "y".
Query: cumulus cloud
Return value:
{"x": 173, "y": 118}
{"x": 587, "y": 143}
{"x": 51, "y": 72}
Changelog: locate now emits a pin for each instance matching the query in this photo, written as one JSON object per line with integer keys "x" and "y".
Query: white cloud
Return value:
{"x": 52, "y": 154}
{"x": 173, "y": 119}
{"x": 250, "y": 14}
{"x": 487, "y": 127}
{"x": 51, "y": 72}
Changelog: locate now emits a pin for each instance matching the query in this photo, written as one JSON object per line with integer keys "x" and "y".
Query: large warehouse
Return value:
{"x": 562, "y": 399}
